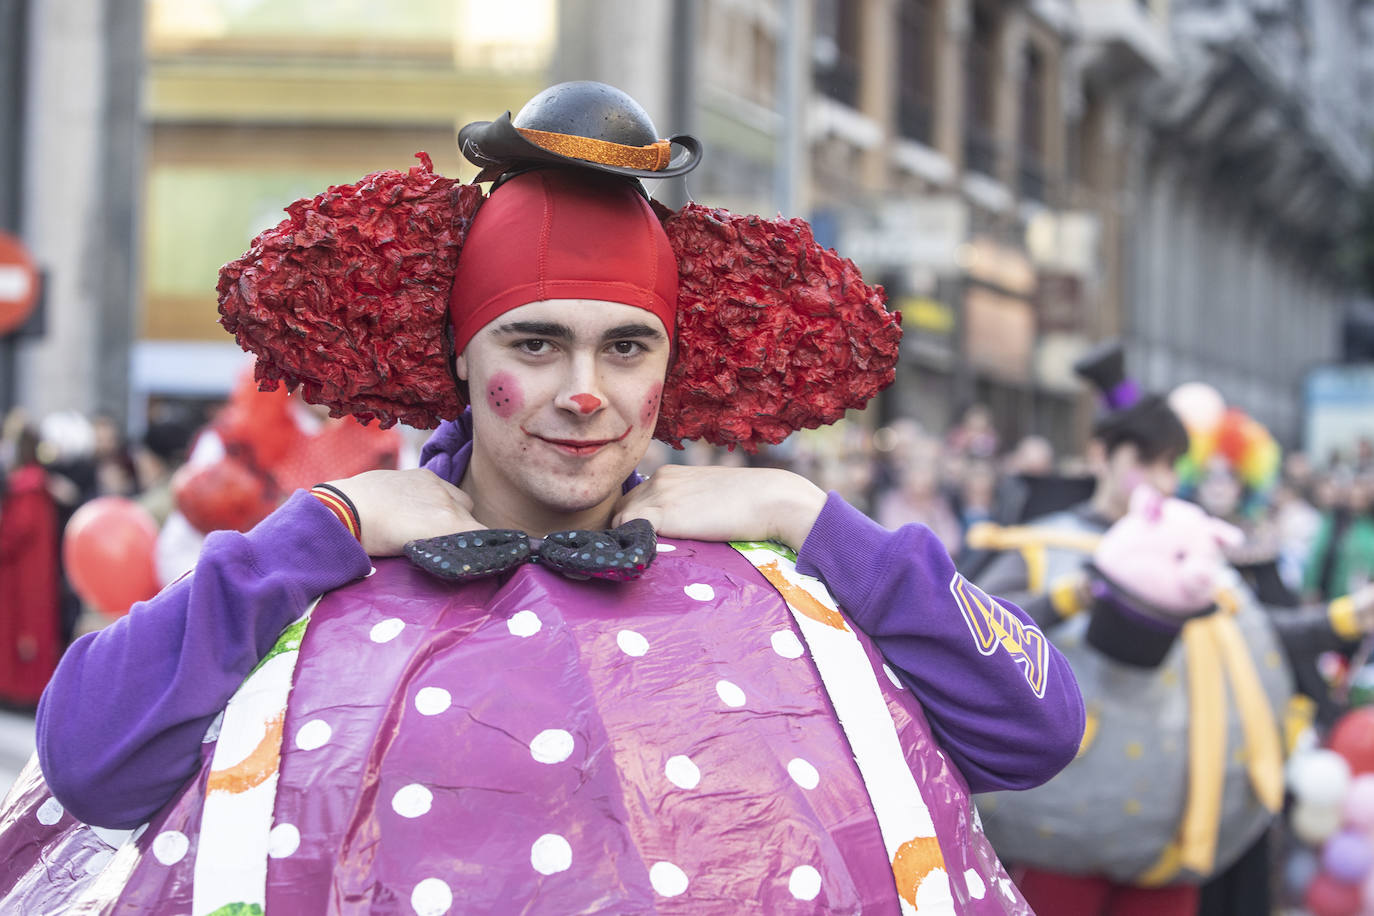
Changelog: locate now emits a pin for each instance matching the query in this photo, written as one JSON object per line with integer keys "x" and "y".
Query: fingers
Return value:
{"x": 650, "y": 514}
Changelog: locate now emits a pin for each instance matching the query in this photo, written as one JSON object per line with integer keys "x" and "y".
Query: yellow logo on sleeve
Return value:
{"x": 993, "y": 625}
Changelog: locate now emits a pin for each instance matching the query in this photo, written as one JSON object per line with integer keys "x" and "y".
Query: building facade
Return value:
{"x": 1256, "y": 145}
{"x": 1026, "y": 177}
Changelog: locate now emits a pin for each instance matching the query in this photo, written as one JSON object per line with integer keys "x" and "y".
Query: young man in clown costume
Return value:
{"x": 538, "y": 714}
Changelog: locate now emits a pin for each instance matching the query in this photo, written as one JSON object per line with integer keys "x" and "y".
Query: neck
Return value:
{"x": 1105, "y": 504}
{"x": 494, "y": 505}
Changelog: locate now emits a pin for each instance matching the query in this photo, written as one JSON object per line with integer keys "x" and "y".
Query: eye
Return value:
{"x": 627, "y": 347}
{"x": 533, "y": 345}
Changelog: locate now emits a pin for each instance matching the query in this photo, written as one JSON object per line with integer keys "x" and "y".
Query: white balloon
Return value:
{"x": 1198, "y": 405}
{"x": 1320, "y": 777}
{"x": 1314, "y": 824}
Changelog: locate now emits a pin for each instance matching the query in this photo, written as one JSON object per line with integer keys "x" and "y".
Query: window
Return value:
{"x": 1033, "y": 125}
{"x": 980, "y": 152}
{"x": 836, "y": 51}
{"x": 916, "y": 49}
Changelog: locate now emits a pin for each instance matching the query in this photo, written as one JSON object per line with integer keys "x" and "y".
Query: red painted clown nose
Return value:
{"x": 586, "y": 402}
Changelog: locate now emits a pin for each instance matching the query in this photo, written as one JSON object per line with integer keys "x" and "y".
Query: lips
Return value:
{"x": 578, "y": 447}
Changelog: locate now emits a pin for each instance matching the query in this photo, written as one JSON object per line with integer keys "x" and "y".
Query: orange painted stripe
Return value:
{"x": 257, "y": 767}
{"x": 803, "y": 601}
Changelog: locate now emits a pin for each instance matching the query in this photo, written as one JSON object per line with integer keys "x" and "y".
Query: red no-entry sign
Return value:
{"x": 18, "y": 283}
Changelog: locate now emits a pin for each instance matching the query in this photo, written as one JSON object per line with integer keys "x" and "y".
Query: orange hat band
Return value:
{"x": 651, "y": 158}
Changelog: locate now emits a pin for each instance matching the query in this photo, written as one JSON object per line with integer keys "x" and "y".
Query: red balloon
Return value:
{"x": 1328, "y": 897}
{"x": 1353, "y": 739}
{"x": 107, "y": 550}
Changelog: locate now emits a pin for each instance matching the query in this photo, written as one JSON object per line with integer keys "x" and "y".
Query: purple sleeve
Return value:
{"x": 120, "y": 725}
{"x": 1007, "y": 711}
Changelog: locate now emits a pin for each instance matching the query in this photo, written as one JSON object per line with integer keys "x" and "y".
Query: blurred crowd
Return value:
{"x": 1311, "y": 527}
{"x": 75, "y": 459}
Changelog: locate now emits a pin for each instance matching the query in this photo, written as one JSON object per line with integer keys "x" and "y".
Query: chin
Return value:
{"x": 580, "y": 499}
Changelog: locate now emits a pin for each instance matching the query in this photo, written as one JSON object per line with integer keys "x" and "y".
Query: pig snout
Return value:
{"x": 1196, "y": 582}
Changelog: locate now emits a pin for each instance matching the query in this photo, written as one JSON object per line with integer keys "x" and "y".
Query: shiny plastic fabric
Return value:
{"x": 536, "y": 744}
{"x": 1116, "y": 808}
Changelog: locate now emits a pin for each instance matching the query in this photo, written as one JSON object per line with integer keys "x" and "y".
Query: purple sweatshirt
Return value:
{"x": 120, "y": 725}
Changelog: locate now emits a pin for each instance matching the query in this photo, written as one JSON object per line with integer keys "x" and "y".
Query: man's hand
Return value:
{"x": 399, "y": 506}
{"x": 725, "y": 504}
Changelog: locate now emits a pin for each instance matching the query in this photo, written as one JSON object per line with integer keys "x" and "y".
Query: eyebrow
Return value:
{"x": 635, "y": 330}
{"x": 554, "y": 330}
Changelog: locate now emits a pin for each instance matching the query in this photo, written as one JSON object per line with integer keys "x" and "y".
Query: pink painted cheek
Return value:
{"x": 503, "y": 395}
{"x": 646, "y": 416}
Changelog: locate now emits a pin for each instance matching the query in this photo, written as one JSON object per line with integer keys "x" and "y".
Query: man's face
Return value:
{"x": 1125, "y": 470}
{"x": 565, "y": 397}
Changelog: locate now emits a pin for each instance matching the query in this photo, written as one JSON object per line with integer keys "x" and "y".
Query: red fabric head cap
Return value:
{"x": 562, "y": 234}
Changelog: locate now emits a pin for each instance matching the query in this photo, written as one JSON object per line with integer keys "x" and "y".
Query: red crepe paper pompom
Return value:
{"x": 775, "y": 333}
{"x": 347, "y": 297}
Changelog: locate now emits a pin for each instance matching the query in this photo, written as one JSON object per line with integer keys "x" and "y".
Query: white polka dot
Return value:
{"x": 284, "y": 840}
{"x": 551, "y": 854}
{"x": 682, "y": 772}
{"x": 729, "y": 694}
{"x": 803, "y": 773}
{"x": 170, "y": 846}
{"x": 667, "y": 879}
{"x": 371, "y": 571}
{"x": 805, "y": 882}
{"x": 524, "y": 623}
{"x": 892, "y": 676}
{"x": 665, "y": 548}
{"x": 976, "y": 887}
{"x": 934, "y": 891}
{"x": 430, "y": 701}
{"x": 431, "y": 897}
{"x": 552, "y": 745}
{"x": 50, "y": 812}
{"x": 631, "y": 643}
{"x": 111, "y": 838}
{"x": 412, "y": 800}
{"x": 313, "y": 734}
{"x": 387, "y": 630}
{"x": 96, "y": 863}
{"x": 700, "y": 591}
{"x": 786, "y": 644}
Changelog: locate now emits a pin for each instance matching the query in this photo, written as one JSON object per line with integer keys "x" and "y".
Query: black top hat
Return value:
{"x": 584, "y": 124}
{"x": 1130, "y": 415}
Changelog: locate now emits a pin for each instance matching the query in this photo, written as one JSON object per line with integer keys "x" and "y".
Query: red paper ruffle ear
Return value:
{"x": 775, "y": 333}
{"x": 347, "y": 298}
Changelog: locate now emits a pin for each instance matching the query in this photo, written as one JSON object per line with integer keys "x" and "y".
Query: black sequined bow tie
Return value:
{"x": 620, "y": 553}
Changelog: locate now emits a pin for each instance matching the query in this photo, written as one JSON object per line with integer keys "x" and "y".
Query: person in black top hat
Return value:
{"x": 1143, "y": 718}
{"x": 1136, "y": 439}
